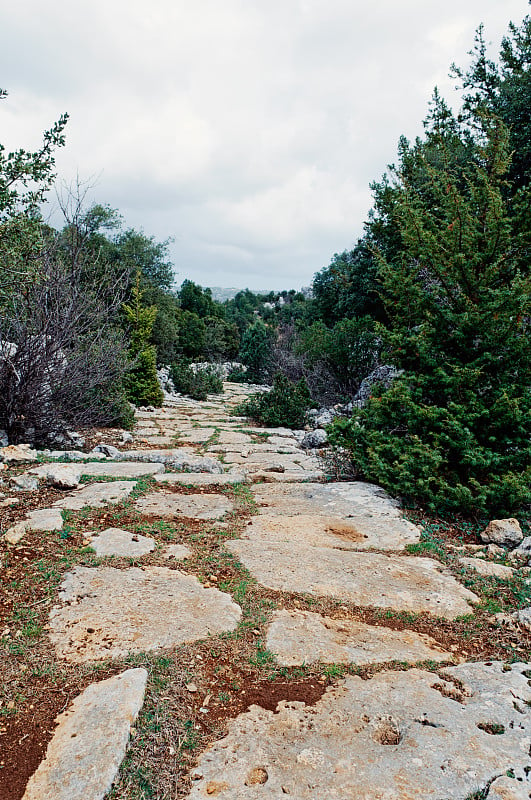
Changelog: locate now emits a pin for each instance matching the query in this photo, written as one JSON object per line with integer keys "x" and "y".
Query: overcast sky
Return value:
{"x": 249, "y": 130}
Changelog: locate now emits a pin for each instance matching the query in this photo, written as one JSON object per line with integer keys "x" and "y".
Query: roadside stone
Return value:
{"x": 523, "y": 617}
{"x": 127, "y": 437}
{"x": 90, "y": 740}
{"x": 25, "y": 483}
{"x": 314, "y": 439}
{"x": 178, "y": 552}
{"x": 97, "y": 495}
{"x": 116, "y": 542}
{"x": 15, "y": 533}
{"x": 301, "y": 476}
{"x": 17, "y": 454}
{"x": 107, "y": 449}
{"x": 398, "y": 735}
{"x": 62, "y": 476}
{"x": 157, "y": 456}
{"x": 504, "y": 788}
{"x": 109, "y": 613}
{"x": 4, "y": 440}
{"x": 401, "y": 583}
{"x": 301, "y": 637}
{"x": 201, "y": 478}
{"x": 524, "y": 548}
{"x": 505, "y": 532}
{"x": 195, "y": 506}
{"x": 45, "y": 519}
{"x": 488, "y": 567}
{"x": 120, "y": 469}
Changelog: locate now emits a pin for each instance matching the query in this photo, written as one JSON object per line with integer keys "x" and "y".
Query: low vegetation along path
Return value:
{"x": 206, "y": 616}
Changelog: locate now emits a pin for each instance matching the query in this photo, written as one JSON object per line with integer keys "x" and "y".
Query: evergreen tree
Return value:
{"x": 141, "y": 383}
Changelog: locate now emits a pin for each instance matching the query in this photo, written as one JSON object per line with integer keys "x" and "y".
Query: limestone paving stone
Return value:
{"x": 488, "y": 567}
{"x": 397, "y": 736}
{"x": 401, "y": 583}
{"x": 157, "y": 456}
{"x": 44, "y": 519}
{"x": 301, "y": 476}
{"x": 108, "y": 613}
{"x": 201, "y": 478}
{"x": 302, "y": 637}
{"x": 120, "y": 469}
{"x": 90, "y": 740}
{"x": 97, "y": 495}
{"x": 195, "y": 506}
{"x": 62, "y": 476}
{"x": 116, "y": 542}
{"x": 348, "y": 534}
{"x": 178, "y": 552}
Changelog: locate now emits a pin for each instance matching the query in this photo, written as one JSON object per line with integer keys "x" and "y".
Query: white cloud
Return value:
{"x": 248, "y": 130}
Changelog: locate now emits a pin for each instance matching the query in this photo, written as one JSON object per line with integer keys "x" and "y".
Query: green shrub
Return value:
{"x": 141, "y": 383}
{"x": 285, "y": 405}
{"x": 197, "y": 385}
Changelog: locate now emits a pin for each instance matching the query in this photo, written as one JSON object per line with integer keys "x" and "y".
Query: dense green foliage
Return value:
{"x": 198, "y": 383}
{"x": 285, "y": 404}
{"x": 141, "y": 382}
{"x": 454, "y": 431}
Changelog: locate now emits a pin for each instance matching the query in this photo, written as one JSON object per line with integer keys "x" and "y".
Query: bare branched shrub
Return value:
{"x": 62, "y": 355}
{"x": 324, "y": 387}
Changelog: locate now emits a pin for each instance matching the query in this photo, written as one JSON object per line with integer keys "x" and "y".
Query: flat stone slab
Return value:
{"x": 116, "y": 542}
{"x": 264, "y": 461}
{"x": 177, "y": 552}
{"x": 488, "y": 568}
{"x": 156, "y": 456}
{"x": 301, "y": 476}
{"x": 345, "y": 533}
{"x": 63, "y": 476}
{"x": 300, "y": 637}
{"x": 195, "y": 506}
{"x": 200, "y": 478}
{"x": 90, "y": 740}
{"x": 120, "y": 469}
{"x": 44, "y": 519}
{"x": 197, "y": 435}
{"x": 402, "y": 583}
{"x": 97, "y": 495}
{"x": 108, "y": 613}
{"x": 398, "y": 736}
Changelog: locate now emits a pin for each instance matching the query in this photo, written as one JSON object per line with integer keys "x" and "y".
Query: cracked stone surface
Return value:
{"x": 195, "y": 506}
{"x": 488, "y": 567}
{"x": 97, "y": 495}
{"x": 365, "y": 579}
{"x": 116, "y": 542}
{"x": 107, "y": 612}
{"x": 393, "y": 737}
{"x": 301, "y": 637}
{"x": 89, "y": 742}
{"x": 44, "y": 519}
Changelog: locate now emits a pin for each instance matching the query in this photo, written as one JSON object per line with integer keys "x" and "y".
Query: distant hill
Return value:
{"x": 221, "y": 294}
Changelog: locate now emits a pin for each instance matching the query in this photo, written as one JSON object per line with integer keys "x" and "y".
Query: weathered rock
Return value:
{"x": 397, "y": 736}
{"x": 97, "y": 495}
{"x": 505, "y": 532}
{"x": 523, "y": 617}
{"x": 487, "y": 567}
{"x": 504, "y": 788}
{"x": 300, "y": 637}
{"x": 62, "y": 476}
{"x": 4, "y": 439}
{"x": 179, "y": 552}
{"x": 45, "y": 519}
{"x": 15, "y": 533}
{"x": 200, "y": 478}
{"x": 107, "y": 449}
{"x": 25, "y": 483}
{"x": 524, "y": 548}
{"x": 314, "y": 439}
{"x": 157, "y": 456}
{"x": 108, "y": 613}
{"x": 89, "y": 742}
{"x": 384, "y": 374}
{"x": 115, "y": 542}
{"x": 195, "y": 506}
{"x": 127, "y": 437}
{"x": 366, "y": 579}
{"x": 120, "y": 469}
{"x": 260, "y": 476}
{"x": 18, "y": 454}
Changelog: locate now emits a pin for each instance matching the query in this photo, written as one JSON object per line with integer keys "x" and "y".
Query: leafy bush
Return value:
{"x": 256, "y": 351}
{"x": 285, "y": 405}
{"x": 196, "y": 384}
{"x": 141, "y": 382}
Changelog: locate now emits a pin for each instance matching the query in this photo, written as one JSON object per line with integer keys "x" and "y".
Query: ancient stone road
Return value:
{"x": 400, "y": 735}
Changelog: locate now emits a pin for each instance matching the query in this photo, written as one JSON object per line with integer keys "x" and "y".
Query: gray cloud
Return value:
{"x": 249, "y": 131}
